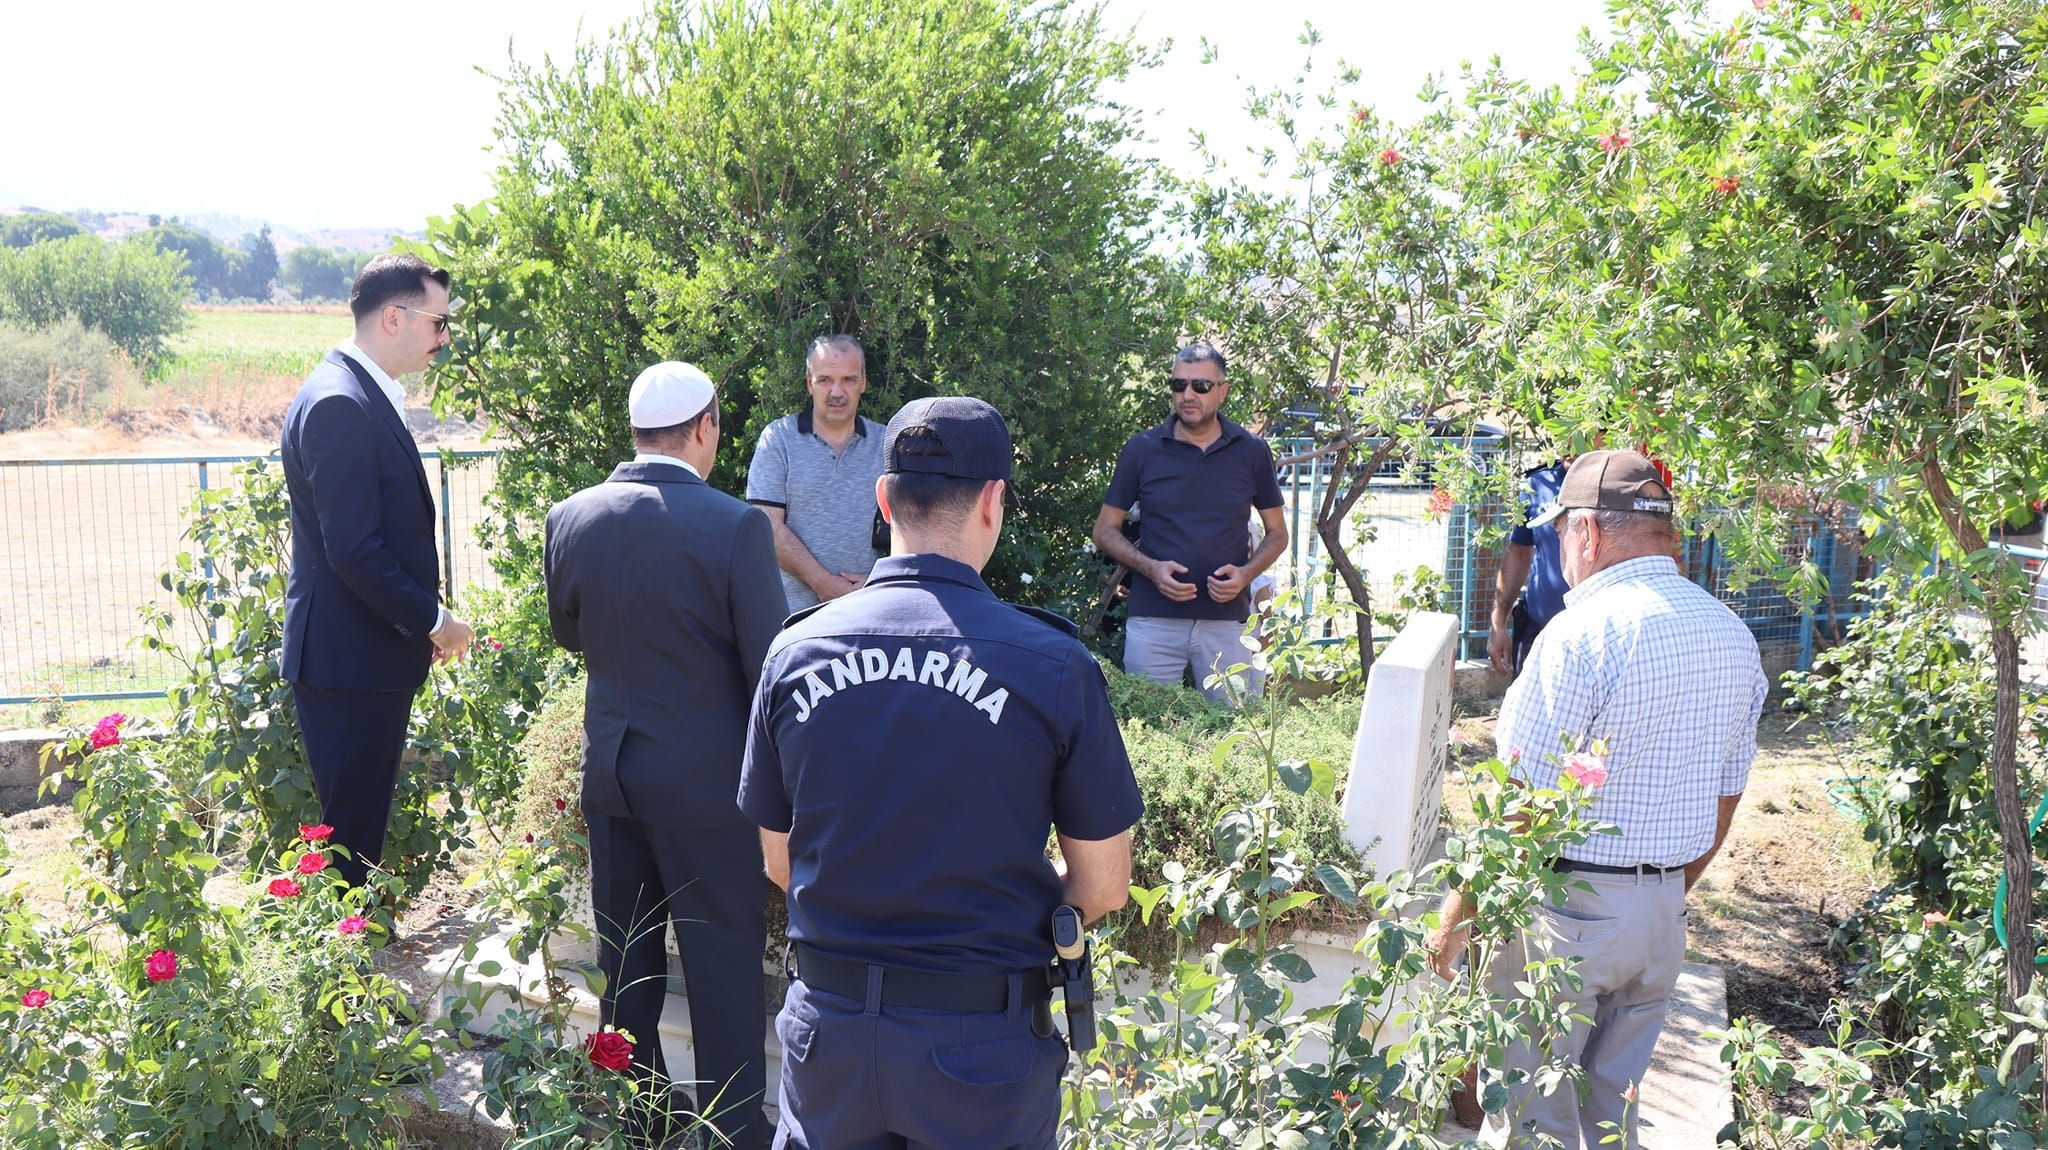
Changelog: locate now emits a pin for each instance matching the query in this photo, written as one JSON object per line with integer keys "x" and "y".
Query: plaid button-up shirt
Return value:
{"x": 1664, "y": 672}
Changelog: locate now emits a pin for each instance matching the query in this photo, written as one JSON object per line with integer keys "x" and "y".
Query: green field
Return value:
{"x": 236, "y": 343}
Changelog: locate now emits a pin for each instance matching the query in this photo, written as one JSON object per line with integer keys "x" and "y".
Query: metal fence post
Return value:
{"x": 206, "y": 561}
{"x": 447, "y": 532}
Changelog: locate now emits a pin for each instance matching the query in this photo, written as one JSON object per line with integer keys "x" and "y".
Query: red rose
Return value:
{"x": 283, "y": 888}
{"x": 561, "y": 805}
{"x": 609, "y": 1050}
{"x": 529, "y": 836}
{"x": 1389, "y": 158}
{"x": 494, "y": 644}
{"x": 36, "y": 999}
{"x": 316, "y": 834}
{"x": 1727, "y": 185}
{"x": 312, "y": 862}
{"x": 353, "y": 924}
{"x": 107, "y": 732}
{"x": 1613, "y": 142}
{"x": 162, "y": 966}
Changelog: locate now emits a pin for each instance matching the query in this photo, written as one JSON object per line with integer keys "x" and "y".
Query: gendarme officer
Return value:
{"x": 910, "y": 746}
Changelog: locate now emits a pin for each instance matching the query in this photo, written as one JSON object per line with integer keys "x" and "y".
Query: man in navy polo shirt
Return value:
{"x": 1528, "y": 591}
{"x": 910, "y": 746}
{"x": 1196, "y": 479}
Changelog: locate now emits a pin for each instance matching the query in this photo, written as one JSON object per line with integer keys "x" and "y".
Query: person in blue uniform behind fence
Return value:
{"x": 910, "y": 747}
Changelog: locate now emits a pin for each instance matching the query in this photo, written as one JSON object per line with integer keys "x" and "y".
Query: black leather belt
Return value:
{"x": 964, "y": 993}
{"x": 1639, "y": 870}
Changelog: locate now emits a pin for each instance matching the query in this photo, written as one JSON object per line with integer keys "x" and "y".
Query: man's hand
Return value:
{"x": 1161, "y": 573}
{"x": 452, "y": 640}
{"x": 1228, "y": 582}
{"x": 858, "y": 581}
{"x": 1500, "y": 646}
{"x": 832, "y": 586}
{"x": 1444, "y": 945}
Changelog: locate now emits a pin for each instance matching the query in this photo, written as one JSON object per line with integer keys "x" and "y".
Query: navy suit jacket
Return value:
{"x": 670, "y": 589}
{"x": 364, "y": 590}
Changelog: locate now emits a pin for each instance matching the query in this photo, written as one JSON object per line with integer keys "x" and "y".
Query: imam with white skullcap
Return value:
{"x": 667, "y": 394}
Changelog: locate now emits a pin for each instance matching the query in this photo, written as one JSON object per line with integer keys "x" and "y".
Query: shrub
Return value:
{"x": 130, "y": 291}
{"x": 58, "y": 368}
{"x": 1191, "y": 764}
{"x": 723, "y": 182}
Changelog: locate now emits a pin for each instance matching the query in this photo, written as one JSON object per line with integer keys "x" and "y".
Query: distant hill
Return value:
{"x": 229, "y": 229}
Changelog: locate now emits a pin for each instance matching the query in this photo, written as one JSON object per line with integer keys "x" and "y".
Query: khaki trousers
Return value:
{"x": 1629, "y": 936}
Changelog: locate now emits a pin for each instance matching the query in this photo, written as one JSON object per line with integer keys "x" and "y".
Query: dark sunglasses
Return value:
{"x": 1201, "y": 386}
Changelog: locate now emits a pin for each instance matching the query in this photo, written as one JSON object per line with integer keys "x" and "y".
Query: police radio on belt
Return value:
{"x": 1077, "y": 977}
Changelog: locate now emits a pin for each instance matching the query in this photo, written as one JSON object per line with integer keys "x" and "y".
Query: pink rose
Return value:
{"x": 107, "y": 732}
{"x": 161, "y": 966}
{"x": 35, "y": 999}
{"x": 1586, "y": 769}
{"x": 1933, "y": 918}
{"x": 283, "y": 888}
{"x": 353, "y": 924}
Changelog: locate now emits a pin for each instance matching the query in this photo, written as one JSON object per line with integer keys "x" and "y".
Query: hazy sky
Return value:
{"x": 375, "y": 115}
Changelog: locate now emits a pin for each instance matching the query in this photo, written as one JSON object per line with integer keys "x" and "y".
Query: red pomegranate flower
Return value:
{"x": 609, "y": 1050}
{"x": 35, "y": 999}
{"x": 1613, "y": 142}
{"x": 312, "y": 862}
{"x": 1361, "y": 115}
{"x": 161, "y": 966}
{"x": 1389, "y": 158}
{"x": 283, "y": 888}
{"x": 107, "y": 732}
{"x": 1727, "y": 185}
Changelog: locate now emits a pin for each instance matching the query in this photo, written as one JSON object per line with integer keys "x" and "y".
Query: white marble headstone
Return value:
{"x": 1396, "y": 790}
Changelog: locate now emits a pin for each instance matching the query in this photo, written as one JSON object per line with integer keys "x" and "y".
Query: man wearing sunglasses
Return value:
{"x": 1195, "y": 479}
{"x": 362, "y": 610}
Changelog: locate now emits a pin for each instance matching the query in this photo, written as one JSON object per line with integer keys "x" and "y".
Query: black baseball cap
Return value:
{"x": 1610, "y": 481}
{"x": 958, "y": 436}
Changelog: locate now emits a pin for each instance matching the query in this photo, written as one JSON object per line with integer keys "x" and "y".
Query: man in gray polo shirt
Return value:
{"x": 814, "y": 474}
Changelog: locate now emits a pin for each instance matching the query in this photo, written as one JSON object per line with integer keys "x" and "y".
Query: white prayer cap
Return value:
{"x": 667, "y": 394}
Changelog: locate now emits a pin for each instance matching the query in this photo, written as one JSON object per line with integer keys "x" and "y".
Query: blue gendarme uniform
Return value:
{"x": 918, "y": 740}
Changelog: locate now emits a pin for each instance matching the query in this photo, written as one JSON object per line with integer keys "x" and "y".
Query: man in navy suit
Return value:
{"x": 362, "y": 616}
{"x": 671, "y": 591}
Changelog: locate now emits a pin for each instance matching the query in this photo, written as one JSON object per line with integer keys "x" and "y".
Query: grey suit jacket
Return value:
{"x": 670, "y": 589}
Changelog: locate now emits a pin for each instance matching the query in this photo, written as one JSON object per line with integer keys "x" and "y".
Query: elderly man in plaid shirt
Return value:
{"x": 1668, "y": 678}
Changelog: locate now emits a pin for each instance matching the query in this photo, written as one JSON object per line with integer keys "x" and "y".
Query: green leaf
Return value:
{"x": 1338, "y": 882}
{"x": 1295, "y": 775}
{"x": 1234, "y": 836}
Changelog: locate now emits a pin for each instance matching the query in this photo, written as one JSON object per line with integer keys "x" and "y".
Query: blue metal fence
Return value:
{"x": 84, "y": 544}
